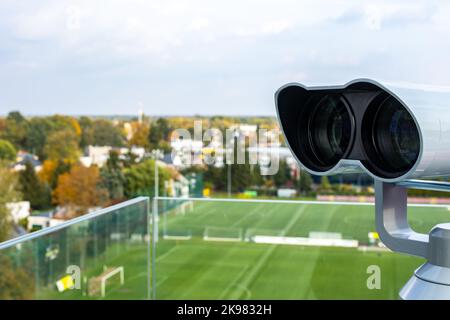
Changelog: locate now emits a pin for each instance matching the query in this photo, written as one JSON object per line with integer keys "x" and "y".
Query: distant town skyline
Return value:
{"x": 184, "y": 58}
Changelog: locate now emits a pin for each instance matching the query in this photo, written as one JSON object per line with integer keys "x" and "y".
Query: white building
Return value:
{"x": 18, "y": 210}
{"x": 23, "y": 158}
{"x": 286, "y": 193}
{"x": 96, "y": 155}
{"x": 139, "y": 152}
{"x": 42, "y": 221}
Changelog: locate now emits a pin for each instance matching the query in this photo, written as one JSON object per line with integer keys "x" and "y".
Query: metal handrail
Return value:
{"x": 71, "y": 222}
{"x": 315, "y": 202}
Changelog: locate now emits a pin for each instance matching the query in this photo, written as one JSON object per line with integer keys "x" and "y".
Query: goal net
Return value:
{"x": 251, "y": 233}
{"x": 222, "y": 234}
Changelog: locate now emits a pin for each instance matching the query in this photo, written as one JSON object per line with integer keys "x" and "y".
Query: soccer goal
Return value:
{"x": 178, "y": 233}
{"x": 222, "y": 234}
{"x": 98, "y": 284}
{"x": 251, "y": 233}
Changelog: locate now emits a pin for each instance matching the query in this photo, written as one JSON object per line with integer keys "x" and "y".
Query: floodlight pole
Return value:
{"x": 432, "y": 279}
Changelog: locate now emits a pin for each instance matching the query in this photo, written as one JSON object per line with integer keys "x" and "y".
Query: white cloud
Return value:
{"x": 113, "y": 50}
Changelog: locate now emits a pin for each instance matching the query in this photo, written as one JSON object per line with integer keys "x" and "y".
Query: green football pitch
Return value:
{"x": 190, "y": 265}
{"x": 205, "y": 251}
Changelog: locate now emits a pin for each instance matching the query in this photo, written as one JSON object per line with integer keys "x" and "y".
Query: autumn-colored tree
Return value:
{"x": 78, "y": 190}
{"x": 63, "y": 145}
{"x": 50, "y": 171}
{"x": 140, "y": 133}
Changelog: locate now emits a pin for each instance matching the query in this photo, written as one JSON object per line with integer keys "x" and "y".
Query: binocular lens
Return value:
{"x": 330, "y": 130}
{"x": 395, "y": 136}
{"x": 361, "y": 124}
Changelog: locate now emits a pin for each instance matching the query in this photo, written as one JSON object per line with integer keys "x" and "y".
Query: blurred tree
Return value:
{"x": 8, "y": 193}
{"x": 33, "y": 190}
{"x": 325, "y": 185}
{"x": 16, "y": 283}
{"x": 283, "y": 175}
{"x": 217, "y": 177}
{"x": 129, "y": 159}
{"x": 102, "y": 133}
{"x": 241, "y": 177}
{"x": 62, "y": 145}
{"x": 140, "y": 134}
{"x": 79, "y": 189}
{"x": 40, "y": 128}
{"x": 159, "y": 133}
{"x": 140, "y": 179}
{"x": 87, "y": 138}
{"x": 305, "y": 182}
{"x": 51, "y": 170}
{"x": 16, "y": 129}
{"x": 112, "y": 177}
{"x": 7, "y": 151}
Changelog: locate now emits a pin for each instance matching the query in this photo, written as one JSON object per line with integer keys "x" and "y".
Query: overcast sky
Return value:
{"x": 173, "y": 57}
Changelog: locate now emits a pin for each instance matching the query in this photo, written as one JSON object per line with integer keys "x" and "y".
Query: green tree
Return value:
{"x": 8, "y": 193}
{"x": 62, "y": 145}
{"x": 86, "y": 125}
{"x": 7, "y": 151}
{"x": 112, "y": 177}
{"x": 38, "y": 131}
{"x": 217, "y": 177}
{"x": 40, "y": 128}
{"x": 159, "y": 133}
{"x": 140, "y": 179}
{"x": 16, "y": 130}
{"x": 305, "y": 182}
{"x": 283, "y": 175}
{"x": 33, "y": 190}
{"x": 15, "y": 281}
{"x": 241, "y": 177}
{"x": 104, "y": 133}
{"x": 325, "y": 185}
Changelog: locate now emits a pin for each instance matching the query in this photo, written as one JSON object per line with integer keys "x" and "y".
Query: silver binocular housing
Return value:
{"x": 364, "y": 125}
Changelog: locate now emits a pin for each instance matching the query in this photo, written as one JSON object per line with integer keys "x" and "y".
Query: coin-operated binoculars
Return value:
{"x": 394, "y": 137}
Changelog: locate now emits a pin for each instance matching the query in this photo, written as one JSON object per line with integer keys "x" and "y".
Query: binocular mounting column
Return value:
{"x": 432, "y": 279}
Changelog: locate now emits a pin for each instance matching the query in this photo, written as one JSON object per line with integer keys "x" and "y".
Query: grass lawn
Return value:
{"x": 199, "y": 269}
{"x": 195, "y": 268}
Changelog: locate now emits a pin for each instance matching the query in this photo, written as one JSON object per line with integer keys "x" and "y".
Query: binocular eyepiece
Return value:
{"x": 364, "y": 125}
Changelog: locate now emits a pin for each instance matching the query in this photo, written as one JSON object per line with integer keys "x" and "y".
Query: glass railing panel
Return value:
{"x": 231, "y": 249}
{"x": 102, "y": 255}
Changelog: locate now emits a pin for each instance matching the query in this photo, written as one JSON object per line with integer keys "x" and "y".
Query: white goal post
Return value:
{"x": 108, "y": 274}
{"x": 222, "y": 234}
